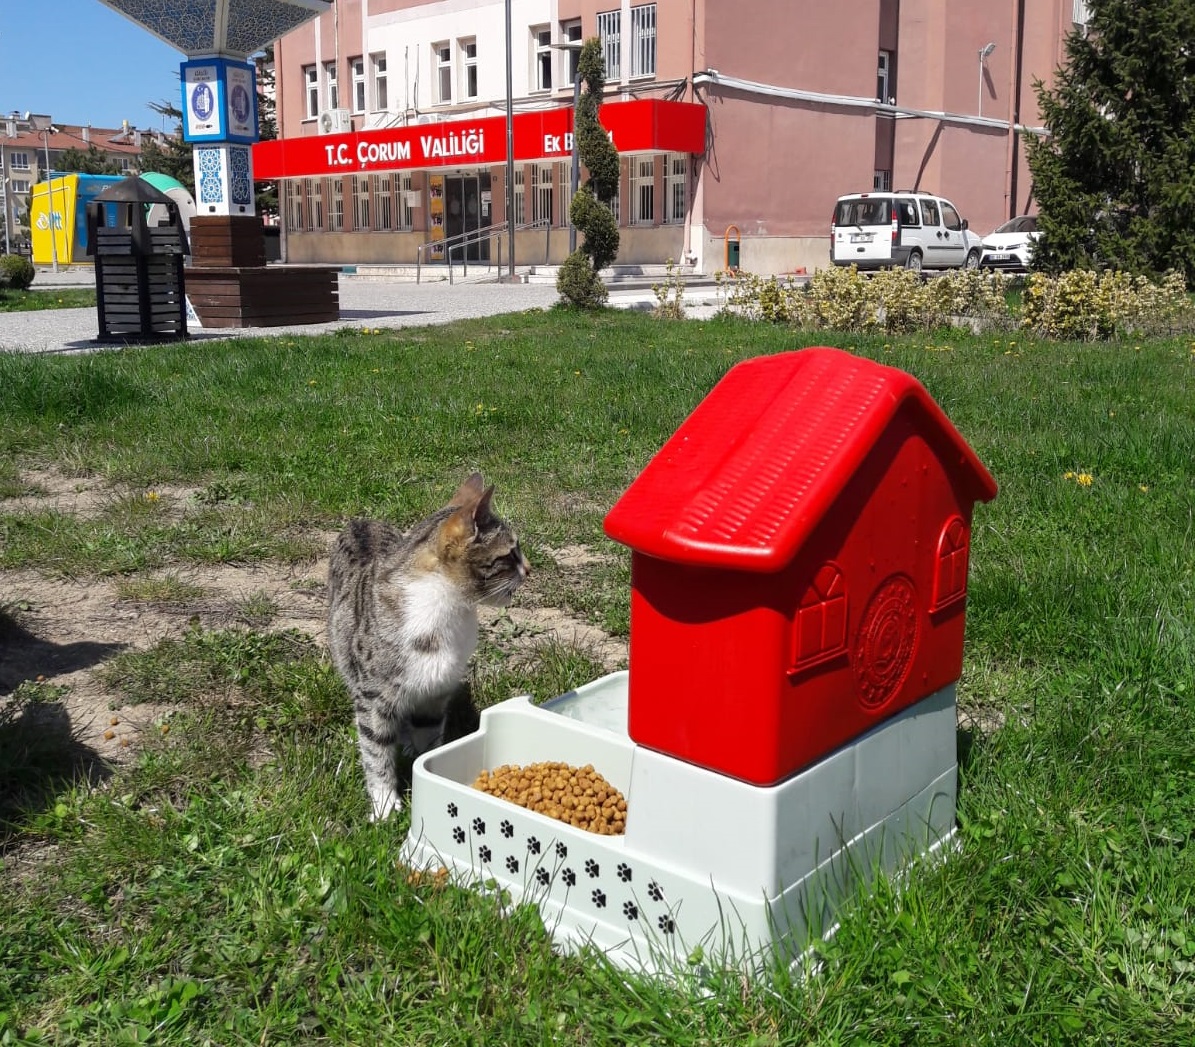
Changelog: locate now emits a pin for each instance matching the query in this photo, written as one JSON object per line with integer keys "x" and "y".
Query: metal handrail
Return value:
{"x": 464, "y": 239}
{"x": 471, "y": 236}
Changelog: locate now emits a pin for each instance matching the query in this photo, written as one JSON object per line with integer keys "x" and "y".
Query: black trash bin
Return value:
{"x": 139, "y": 287}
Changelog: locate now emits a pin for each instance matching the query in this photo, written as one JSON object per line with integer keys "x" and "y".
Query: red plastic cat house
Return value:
{"x": 799, "y": 563}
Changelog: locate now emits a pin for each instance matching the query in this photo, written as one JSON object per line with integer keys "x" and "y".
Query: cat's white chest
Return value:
{"x": 438, "y": 632}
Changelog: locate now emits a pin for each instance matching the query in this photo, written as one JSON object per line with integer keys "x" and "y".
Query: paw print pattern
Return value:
{"x": 599, "y": 899}
{"x": 512, "y": 864}
{"x": 479, "y": 826}
{"x": 624, "y": 872}
{"x": 485, "y": 854}
{"x": 655, "y": 892}
{"x": 561, "y": 850}
{"x": 630, "y": 910}
{"x": 532, "y": 845}
{"x": 666, "y": 924}
{"x": 507, "y": 829}
{"x": 458, "y": 835}
{"x": 452, "y": 810}
{"x": 592, "y": 868}
{"x": 569, "y": 877}
{"x": 542, "y": 877}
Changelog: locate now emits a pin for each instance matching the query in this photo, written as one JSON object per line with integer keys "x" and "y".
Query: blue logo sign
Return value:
{"x": 203, "y": 102}
{"x": 240, "y": 103}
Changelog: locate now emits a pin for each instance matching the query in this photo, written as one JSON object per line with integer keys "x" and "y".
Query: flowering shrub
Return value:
{"x": 1076, "y": 306}
{"x": 1082, "y": 305}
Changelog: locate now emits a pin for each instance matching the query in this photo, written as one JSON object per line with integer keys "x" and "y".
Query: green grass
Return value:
{"x": 228, "y": 887}
{"x": 12, "y": 301}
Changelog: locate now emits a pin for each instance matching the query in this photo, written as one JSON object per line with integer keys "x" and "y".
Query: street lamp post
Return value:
{"x": 510, "y": 148}
{"x": 984, "y": 51}
{"x": 46, "y": 132}
{"x": 574, "y": 46}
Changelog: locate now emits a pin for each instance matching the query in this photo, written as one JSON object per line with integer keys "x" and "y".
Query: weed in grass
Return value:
{"x": 257, "y": 610}
{"x": 164, "y": 589}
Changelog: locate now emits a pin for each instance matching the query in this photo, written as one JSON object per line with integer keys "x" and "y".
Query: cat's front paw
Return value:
{"x": 385, "y": 805}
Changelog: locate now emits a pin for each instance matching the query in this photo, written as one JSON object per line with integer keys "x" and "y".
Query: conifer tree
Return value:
{"x": 1115, "y": 177}
{"x": 578, "y": 279}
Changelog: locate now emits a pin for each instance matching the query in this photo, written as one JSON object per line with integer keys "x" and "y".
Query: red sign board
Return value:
{"x": 647, "y": 125}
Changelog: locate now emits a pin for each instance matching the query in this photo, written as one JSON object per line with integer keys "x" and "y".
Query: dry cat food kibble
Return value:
{"x": 576, "y": 795}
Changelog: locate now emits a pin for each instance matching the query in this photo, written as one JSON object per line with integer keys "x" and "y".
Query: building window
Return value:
{"x": 570, "y": 32}
{"x": 18, "y": 161}
{"x": 294, "y": 204}
{"x": 311, "y": 90}
{"x": 541, "y": 194}
{"x": 357, "y": 69}
{"x": 407, "y": 198}
{"x": 383, "y": 203}
{"x": 315, "y": 204}
{"x": 643, "y": 190}
{"x": 469, "y": 61}
{"x": 564, "y": 179}
{"x": 609, "y": 25}
{"x": 520, "y": 200}
{"x": 360, "y": 201}
{"x": 884, "y": 89}
{"x": 331, "y": 90}
{"x": 336, "y": 207}
{"x": 541, "y": 37}
{"x": 20, "y": 185}
{"x": 381, "y": 94}
{"x": 1081, "y": 14}
{"x": 643, "y": 40}
{"x": 676, "y": 188}
{"x": 442, "y": 54}
{"x": 881, "y": 181}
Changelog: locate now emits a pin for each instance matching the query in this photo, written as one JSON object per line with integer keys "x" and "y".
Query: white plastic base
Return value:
{"x": 709, "y": 861}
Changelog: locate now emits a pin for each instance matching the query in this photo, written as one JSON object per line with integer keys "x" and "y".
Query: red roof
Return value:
{"x": 749, "y": 474}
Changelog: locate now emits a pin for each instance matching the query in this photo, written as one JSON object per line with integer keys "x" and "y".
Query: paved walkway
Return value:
{"x": 363, "y": 303}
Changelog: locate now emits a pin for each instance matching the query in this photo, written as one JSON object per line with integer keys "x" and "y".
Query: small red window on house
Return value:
{"x": 819, "y": 629}
{"x": 950, "y": 570}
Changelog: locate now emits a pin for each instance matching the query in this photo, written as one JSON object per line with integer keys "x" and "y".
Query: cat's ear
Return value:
{"x": 469, "y": 491}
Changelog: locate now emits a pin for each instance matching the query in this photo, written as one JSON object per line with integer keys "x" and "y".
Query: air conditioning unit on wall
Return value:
{"x": 335, "y": 122}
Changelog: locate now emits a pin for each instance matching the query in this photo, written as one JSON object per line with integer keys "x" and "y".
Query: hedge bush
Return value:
{"x": 16, "y": 271}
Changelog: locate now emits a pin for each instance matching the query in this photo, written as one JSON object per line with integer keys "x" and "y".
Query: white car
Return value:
{"x": 1008, "y": 247}
{"x": 914, "y": 230}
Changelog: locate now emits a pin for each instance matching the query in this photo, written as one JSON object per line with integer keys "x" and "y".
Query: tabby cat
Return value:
{"x": 402, "y": 626}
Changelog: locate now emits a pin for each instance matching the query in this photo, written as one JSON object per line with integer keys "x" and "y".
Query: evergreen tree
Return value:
{"x": 578, "y": 279}
{"x": 1115, "y": 178}
{"x": 267, "y": 128}
{"x": 174, "y": 158}
{"x": 88, "y": 161}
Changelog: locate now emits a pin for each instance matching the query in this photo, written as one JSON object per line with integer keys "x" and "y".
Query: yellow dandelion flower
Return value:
{"x": 1084, "y": 479}
{"x": 1068, "y": 475}
{"x": 1143, "y": 488}
{"x": 311, "y": 381}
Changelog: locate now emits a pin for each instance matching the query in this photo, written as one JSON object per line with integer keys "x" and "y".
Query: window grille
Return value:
{"x": 541, "y": 193}
{"x": 405, "y": 208}
{"x": 643, "y": 40}
{"x": 609, "y": 25}
{"x": 676, "y": 188}
{"x": 643, "y": 191}
{"x": 293, "y": 191}
{"x": 336, "y": 207}
{"x": 383, "y": 203}
{"x": 520, "y": 197}
{"x": 360, "y": 201}
{"x": 315, "y": 204}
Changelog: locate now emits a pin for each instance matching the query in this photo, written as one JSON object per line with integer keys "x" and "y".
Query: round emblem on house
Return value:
{"x": 886, "y": 641}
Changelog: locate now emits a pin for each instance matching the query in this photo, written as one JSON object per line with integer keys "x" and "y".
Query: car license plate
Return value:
{"x": 1000, "y": 256}
{"x": 862, "y": 238}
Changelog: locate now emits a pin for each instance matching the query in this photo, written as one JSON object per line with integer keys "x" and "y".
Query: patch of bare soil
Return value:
{"x": 61, "y": 630}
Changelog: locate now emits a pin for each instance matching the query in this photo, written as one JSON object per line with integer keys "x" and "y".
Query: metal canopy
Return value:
{"x": 237, "y": 28}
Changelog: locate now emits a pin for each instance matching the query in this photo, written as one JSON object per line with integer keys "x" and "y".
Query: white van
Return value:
{"x": 914, "y": 230}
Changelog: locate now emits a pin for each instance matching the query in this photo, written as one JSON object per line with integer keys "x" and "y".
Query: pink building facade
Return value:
{"x": 764, "y": 113}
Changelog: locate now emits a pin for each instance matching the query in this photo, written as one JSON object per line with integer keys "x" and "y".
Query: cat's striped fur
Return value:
{"x": 402, "y": 626}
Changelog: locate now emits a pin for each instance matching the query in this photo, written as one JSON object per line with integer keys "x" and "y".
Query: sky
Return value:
{"x": 82, "y": 63}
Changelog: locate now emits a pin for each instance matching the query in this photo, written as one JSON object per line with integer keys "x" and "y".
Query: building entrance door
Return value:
{"x": 467, "y": 210}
